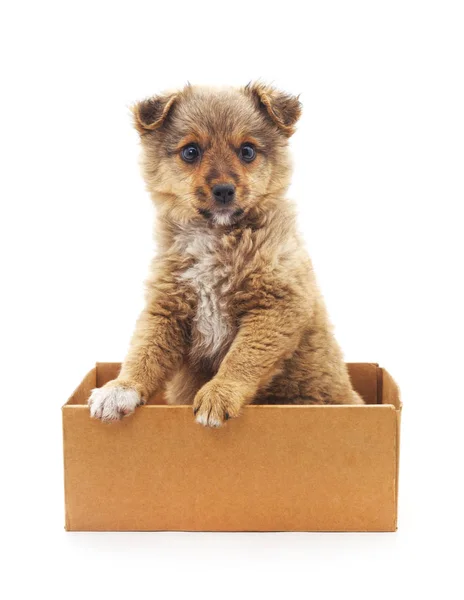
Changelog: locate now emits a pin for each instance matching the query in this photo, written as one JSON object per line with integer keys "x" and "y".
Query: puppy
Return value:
{"x": 233, "y": 314}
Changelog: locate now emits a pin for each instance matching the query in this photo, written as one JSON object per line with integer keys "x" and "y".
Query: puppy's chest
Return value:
{"x": 211, "y": 277}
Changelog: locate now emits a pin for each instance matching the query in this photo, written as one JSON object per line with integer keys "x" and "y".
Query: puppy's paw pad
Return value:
{"x": 113, "y": 403}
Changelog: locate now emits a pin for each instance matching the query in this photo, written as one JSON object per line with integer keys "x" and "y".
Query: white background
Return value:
{"x": 379, "y": 159}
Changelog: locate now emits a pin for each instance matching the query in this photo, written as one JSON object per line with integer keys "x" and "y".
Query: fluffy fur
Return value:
{"x": 233, "y": 314}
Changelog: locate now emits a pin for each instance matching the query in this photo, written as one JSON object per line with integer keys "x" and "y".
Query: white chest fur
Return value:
{"x": 209, "y": 276}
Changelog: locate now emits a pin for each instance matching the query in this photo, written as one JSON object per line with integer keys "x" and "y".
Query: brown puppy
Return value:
{"x": 233, "y": 314}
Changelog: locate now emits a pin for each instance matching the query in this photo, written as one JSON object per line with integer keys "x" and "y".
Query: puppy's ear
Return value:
{"x": 150, "y": 114}
{"x": 284, "y": 109}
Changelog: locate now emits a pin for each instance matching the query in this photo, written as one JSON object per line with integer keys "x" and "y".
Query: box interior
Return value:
{"x": 374, "y": 384}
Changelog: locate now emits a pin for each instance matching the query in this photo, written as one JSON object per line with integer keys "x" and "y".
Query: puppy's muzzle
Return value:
{"x": 224, "y": 193}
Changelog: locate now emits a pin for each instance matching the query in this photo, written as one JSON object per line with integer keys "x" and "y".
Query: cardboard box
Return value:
{"x": 276, "y": 468}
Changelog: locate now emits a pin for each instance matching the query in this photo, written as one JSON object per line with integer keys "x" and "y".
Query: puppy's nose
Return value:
{"x": 224, "y": 193}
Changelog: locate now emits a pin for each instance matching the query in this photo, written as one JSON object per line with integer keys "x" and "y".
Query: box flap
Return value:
{"x": 389, "y": 390}
{"x": 82, "y": 392}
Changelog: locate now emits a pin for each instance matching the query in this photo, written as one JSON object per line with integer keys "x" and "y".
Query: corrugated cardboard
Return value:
{"x": 276, "y": 468}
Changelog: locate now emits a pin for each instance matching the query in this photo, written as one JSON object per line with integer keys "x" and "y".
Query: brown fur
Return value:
{"x": 248, "y": 279}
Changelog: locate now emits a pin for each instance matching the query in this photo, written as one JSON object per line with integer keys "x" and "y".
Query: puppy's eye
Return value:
{"x": 247, "y": 153}
{"x": 190, "y": 153}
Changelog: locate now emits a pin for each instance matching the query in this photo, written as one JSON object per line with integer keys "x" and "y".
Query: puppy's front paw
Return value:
{"x": 216, "y": 402}
{"x": 112, "y": 402}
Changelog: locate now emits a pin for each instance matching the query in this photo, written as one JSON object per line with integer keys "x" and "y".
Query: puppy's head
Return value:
{"x": 216, "y": 154}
